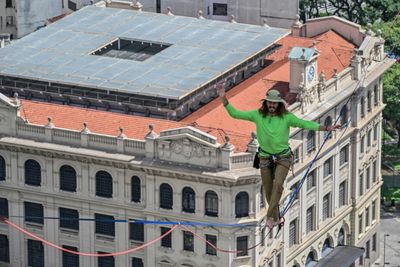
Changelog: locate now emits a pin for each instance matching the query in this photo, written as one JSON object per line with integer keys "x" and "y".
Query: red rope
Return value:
{"x": 209, "y": 243}
{"x": 89, "y": 254}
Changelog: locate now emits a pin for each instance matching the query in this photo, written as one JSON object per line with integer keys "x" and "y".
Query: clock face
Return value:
{"x": 311, "y": 73}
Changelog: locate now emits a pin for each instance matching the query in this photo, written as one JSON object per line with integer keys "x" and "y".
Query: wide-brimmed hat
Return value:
{"x": 274, "y": 96}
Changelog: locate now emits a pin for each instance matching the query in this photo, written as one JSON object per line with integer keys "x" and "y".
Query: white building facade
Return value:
{"x": 21, "y": 17}
{"x": 274, "y": 13}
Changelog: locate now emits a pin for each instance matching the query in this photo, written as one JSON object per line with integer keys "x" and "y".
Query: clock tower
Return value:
{"x": 303, "y": 68}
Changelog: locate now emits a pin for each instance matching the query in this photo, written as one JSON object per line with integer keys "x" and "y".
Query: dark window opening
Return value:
{"x": 188, "y": 200}
{"x": 104, "y": 184}
{"x": 67, "y": 178}
{"x": 136, "y": 232}
{"x": 33, "y": 173}
{"x": 35, "y": 253}
{"x": 69, "y": 218}
{"x": 105, "y": 224}
{"x": 33, "y": 212}
{"x": 166, "y": 196}
{"x": 210, "y": 250}
{"x": 69, "y": 259}
{"x": 220, "y": 9}
{"x": 242, "y": 205}
{"x": 135, "y": 189}
{"x": 167, "y": 240}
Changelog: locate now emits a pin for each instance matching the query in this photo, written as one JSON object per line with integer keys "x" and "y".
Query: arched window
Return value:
{"x": 33, "y": 173}
{"x": 328, "y": 122}
{"x": 341, "y": 238}
{"x": 326, "y": 247}
{"x": 310, "y": 141}
{"x": 67, "y": 178}
{"x": 262, "y": 197}
{"x": 211, "y": 203}
{"x": 242, "y": 205}
{"x": 344, "y": 115}
{"x": 104, "y": 184}
{"x": 135, "y": 189}
{"x": 310, "y": 261}
{"x": 166, "y": 196}
{"x": 188, "y": 200}
{"x": 2, "y": 169}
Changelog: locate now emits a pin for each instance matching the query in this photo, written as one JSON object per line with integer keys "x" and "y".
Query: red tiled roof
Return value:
{"x": 102, "y": 122}
{"x": 336, "y": 53}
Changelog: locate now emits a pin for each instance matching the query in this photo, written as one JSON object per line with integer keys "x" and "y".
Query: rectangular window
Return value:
{"x": 342, "y": 194}
{"x": 296, "y": 155}
{"x": 212, "y": 239}
{"x": 167, "y": 240}
{"x": 263, "y": 236}
{"x": 188, "y": 241}
{"x": 366, "y": 217}
{"x": 293, "y": 188}
{"x": 367, "y": 249}
{"x": 33, "y": 212}
{"x": 311, "y": 180}
{"x": 68, "y": 259}
{"x": 360, "y": 223}
{"x": 220, "y": 9}
{"x": 8, "y": 3}
{"x": 158, "y": 6}
{"x": 4, "y": 249}
{"x": 376, "y": 95}
{"x": 73, "y": 7}
{"x": 105, "y": 224}
{"x": 242, "y": 245}
{"x": 361, "y": 184}
{"x": 344, "y": 155}
{"x": 35, "y": 253}
{"x": 310, "y": 142}
{"x": 373, "y": 210}
{"x": 361, "y": 260}
{"x": 136, "y": 232}
{"x": 326, "y": 207}
{"x": 278, "y": 260}
{"x": 362, "y": 144}
{"x": 376, "y": 132}
{"x": 9, "y": 21}
{"x": 310, "y": 219}
{"x": 369, "y": 138}
{"x": 374, "y": 242}
{"x": 328, "y": 167}
{"x": 3, "y": 207}
{"x": 106, "y": 261}
{"x": 368, "y": 178}
{"x": 374, "y": 174}
{"x": 137, "y": 262}
{"x": 293, "y": 233}
{"x": 69, "y": 219}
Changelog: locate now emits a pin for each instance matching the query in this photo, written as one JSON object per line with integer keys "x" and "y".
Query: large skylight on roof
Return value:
{"x": 137, "y": 50}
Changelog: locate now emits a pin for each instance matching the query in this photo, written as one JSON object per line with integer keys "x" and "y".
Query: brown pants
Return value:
{"x": 273, "y": 184}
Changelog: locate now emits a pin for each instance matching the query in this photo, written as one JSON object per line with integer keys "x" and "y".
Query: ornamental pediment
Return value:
{"x": 187, "y": 145}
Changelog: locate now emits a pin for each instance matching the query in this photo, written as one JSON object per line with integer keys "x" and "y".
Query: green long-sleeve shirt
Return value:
{"x": 272, "y": 131}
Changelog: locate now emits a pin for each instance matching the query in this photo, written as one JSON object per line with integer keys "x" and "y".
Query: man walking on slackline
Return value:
{"x": 273, "y": 123}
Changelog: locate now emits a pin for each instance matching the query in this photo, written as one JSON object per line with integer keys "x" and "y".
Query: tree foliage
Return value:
{"x": 391, "y": 33}
{"x": 391, "y": 96}
{"x": 358, "y": 11}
